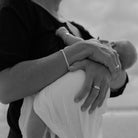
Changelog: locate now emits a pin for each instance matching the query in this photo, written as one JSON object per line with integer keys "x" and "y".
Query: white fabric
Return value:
{"x": 55, "y": 106}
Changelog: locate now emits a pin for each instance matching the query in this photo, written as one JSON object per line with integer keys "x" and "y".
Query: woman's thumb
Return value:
{"x": 72, "y": 68}
{"x": 76, "y": 66}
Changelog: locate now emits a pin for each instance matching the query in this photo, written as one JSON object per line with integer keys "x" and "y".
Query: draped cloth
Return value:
{"x": 56, "y": 107}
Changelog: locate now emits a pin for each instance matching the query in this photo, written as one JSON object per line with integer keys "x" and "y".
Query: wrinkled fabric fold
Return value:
{"x": 56, "y": 107}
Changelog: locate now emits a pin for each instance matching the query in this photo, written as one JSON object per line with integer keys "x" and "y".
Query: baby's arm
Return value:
{"x": 125, "y": 49}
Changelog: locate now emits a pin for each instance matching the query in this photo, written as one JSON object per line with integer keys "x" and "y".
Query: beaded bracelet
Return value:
{"x": 65, "y": 58}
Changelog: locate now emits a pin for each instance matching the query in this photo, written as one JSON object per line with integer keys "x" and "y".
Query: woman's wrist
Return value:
{"x": 74, "y": 53}
{"x": 65, "y": 58}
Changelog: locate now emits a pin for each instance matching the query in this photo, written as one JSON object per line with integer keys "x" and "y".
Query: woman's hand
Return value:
{"x": 92, "y": 49}
{"x": 97, "y": 76}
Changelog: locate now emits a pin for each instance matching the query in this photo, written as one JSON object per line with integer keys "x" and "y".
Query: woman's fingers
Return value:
{"x": 68, "y": 38}
{"x": 93, "y": 94}
{"x": 107, "y": 57}
{"x": 111, "y": 58}
{"x": 100, "y": 98}
{"x": 115, "y": 59}
{"x": 88, "y": 81}
{"x": 118, "y": 66}
{"x": 85, "y": 89}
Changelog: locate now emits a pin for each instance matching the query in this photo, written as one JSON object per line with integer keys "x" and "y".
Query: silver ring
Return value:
{"x": 97, "y": 87}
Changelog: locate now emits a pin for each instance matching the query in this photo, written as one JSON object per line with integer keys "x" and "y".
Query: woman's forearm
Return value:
{"x": 29, "y": 77}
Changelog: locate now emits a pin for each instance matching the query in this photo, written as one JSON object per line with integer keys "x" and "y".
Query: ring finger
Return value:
{"x": 100, "y": 98}
{"x": 92, "y": 95}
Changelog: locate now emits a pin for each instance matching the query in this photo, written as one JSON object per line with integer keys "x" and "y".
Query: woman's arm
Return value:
{"x": 28, "y": 77}
{"x": 20, "y": 78}
{"x": 70, "y": 39}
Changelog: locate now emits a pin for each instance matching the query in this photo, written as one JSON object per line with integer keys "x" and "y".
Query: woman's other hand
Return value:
{"x": 96, "y": 84}
{"x": 94, "y": 50}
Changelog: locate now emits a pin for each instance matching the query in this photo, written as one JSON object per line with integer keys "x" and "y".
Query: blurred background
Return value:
{"x": 111, "y": 20}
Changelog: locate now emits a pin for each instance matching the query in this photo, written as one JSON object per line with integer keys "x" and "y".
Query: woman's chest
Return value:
{"x": 45, "y": 43}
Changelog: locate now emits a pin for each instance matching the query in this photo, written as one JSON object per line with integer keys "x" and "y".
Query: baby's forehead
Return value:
{"x": 125, "y": 45}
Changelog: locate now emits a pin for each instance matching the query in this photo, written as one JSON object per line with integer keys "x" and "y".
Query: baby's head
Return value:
{"x": 126, "y": 50}
{"x": 127, "y": 53}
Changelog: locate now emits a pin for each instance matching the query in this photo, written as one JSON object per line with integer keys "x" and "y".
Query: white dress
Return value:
{"x": 56, "y": 107}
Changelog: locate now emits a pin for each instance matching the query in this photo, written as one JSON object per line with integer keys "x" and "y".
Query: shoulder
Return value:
{"x": 84, "y": 33}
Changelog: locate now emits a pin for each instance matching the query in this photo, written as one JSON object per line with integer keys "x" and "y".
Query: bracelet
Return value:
{"x": 65, "y": 58}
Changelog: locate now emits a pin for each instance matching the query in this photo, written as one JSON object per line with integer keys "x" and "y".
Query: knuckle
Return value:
{"x": 95, "y": 94}
{"x": 87, "y": 89}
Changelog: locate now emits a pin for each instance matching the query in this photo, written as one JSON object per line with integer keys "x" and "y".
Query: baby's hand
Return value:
{"x": 68, "y": 38}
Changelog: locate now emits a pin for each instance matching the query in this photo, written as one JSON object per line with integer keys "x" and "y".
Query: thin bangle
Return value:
{"x": 65, "y": 58}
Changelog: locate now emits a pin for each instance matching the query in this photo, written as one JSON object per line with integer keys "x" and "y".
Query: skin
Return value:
{"x": 120, "y": 46}
{"x": 125, "y": 49}
{"x": 29, "y": 77}
{"x": 93, "y": 77}
{"x": 127, "y": 52}
{"x": 52, "y": 7}
{"x": 70, "y": 39}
